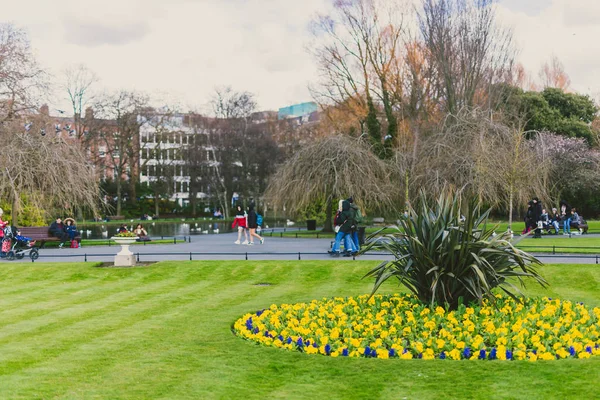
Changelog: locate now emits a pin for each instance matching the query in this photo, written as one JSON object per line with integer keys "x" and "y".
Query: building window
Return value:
{"x": 102, "y": 151}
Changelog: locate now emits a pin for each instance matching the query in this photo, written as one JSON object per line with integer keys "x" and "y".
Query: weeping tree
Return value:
{"x": 46, "y": 172}
{"x": 331, "y": 168}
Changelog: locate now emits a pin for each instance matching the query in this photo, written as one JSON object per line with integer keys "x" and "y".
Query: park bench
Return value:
{"x": 40, "y": 235}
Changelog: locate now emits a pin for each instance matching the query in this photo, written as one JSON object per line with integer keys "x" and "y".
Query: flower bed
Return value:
{"x": 398, "y": 326}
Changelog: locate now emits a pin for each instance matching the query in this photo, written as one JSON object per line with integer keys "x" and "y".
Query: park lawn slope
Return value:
{"x": 561, "y": 244}
{"x": 76, "y": 331}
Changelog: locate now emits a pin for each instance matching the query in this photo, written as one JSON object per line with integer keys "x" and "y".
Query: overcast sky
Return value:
{"x": 179, "y": 50}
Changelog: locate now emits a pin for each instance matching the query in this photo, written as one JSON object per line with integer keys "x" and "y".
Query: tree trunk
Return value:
{"x": 510, "y": 207}
{"x": 328, "y": 227}
{"x": 15, "y": 210}
{"x": 156, "y": 204}
{"x": 118, "y": 195}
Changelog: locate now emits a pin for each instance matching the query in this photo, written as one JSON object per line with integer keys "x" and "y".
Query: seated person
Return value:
{"x": 122, "y": 229}
{"x": 71, "y": 229}
{"x": 555, "y": 220}
{"x": 574, "y": 218}
{"x": 141, "y": 233}
{"x": 545, "y": 219}
{"x": 57, "y": 229}
{"x": 23, "y": 241}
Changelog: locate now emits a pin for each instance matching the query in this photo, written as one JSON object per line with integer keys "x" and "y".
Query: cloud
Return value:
{"x": 98, "y": 33}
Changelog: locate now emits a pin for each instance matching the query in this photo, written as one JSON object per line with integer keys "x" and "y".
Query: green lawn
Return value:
{"x": 72, "y": 331}
{"x": 562, "y": 244}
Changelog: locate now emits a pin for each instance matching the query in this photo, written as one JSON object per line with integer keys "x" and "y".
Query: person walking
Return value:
{"x": 358, "y": 220}
{"x": 346, "y": 222}
{"x": 252, "y": 225}
{"x": 241, "y": 221}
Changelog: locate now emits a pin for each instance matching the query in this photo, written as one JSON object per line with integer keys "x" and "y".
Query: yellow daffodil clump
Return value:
{"x": 396, "y": 326}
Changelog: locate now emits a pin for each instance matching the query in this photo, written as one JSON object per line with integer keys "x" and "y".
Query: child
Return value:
{"x": 241, "y": 220}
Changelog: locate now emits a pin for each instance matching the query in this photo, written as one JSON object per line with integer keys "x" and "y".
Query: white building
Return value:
{"x": 163, "y": 141}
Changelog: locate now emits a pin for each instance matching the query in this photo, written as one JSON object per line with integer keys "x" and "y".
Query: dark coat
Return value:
{"x": 348, "y": 216}
{"x": 252, "y": 218}
{"x": 56, "y": 228}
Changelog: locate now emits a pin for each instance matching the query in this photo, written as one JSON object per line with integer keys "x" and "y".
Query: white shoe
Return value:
{"x": 245, "y": 242}
{"x": 237, "y": 242}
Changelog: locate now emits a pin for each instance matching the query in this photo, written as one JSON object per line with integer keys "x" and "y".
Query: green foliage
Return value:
{"x": 445, "y": 259}
{"x": 552, "y": 110}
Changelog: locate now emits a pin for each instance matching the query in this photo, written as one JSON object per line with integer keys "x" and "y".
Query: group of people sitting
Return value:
{"x": 65, "y": 231}
{"x": 538, "y": 219}
{"x": 139, "y": 231}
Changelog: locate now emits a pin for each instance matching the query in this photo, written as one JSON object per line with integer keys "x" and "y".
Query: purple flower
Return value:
{"x": 327, "y": 349}
{"x": 392, "y": 353}
{"x": 572, "y": 351}
{"x": 589, "y": 349}
{"x": 374, "y": 353}
{"x": 249, "y": 324}
{"x": 280, "y": 338}
{"x": 493, "y": 353}
{"x": 482, "y": 354}
{"x": 467, "y": 352}
{"x": 255, "y": 330}
{"x": 308, "y": 342}
{"x": 442, "y": 355}
{"x": 509, "y": 355}
{"x": 259, "y": 313}
{"x": 345, "y": 352}
{"x": 299, "y": 342}
{"x": 289, "y": 340}
{"x": 267, "y": 334}
{"x": 367, "y": 352}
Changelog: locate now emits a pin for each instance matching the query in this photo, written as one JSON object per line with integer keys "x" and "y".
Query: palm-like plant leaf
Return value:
{"x": 443, "y": 257}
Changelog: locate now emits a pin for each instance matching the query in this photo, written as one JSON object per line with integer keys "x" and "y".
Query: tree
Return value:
{"x": 486, "y": 159}
{"x": 78, "y": 81}
{"x": 115, "y": 126}
{"x": 552, "y": 75}
{"x": 331, "y": 168}
{"x": 357, "y": 50}
{"x": 22, "y": 81}
{"x": 468, "y": 49}
{"x": 553, "y": 110}
{"x": 47, "y": 172}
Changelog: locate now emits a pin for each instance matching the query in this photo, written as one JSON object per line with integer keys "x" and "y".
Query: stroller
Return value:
{"x": 18, "y": 246}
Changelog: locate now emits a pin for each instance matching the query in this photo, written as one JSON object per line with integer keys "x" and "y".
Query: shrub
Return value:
{"x": 446, "y": 258}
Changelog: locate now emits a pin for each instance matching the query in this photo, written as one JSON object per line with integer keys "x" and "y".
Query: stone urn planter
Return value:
{"x": 125, "y": 257}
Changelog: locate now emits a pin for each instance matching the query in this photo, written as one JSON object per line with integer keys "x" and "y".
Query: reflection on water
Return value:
{"x": 156, "y": 229}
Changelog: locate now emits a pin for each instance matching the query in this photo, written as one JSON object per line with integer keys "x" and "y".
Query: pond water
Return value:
{"x": 157, "y": 229}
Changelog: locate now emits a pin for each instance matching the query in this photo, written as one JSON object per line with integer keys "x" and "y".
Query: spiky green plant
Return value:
{"x": 446, "y": 257}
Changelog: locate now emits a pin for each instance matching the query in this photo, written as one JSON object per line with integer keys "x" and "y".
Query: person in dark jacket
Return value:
{"x": 57, "y": 229}
{"x": 358, "y": 220}
{"x": 347, "y": 223}
{"x": 252, "y": 225}
{"x": 70, "y": 228}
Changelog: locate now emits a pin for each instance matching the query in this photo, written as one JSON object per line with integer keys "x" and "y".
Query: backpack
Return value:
{"x": 259, "y": 219}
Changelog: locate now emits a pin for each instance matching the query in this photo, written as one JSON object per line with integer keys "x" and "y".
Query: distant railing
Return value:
{"x": 143, "y": 257}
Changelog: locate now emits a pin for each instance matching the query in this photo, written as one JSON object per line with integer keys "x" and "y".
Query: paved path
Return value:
{"x": 222, "y": 247}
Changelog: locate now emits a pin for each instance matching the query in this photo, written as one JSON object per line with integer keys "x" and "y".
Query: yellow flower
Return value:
{"x": 406, "y": 356}
{"x": 454, "y": 354}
